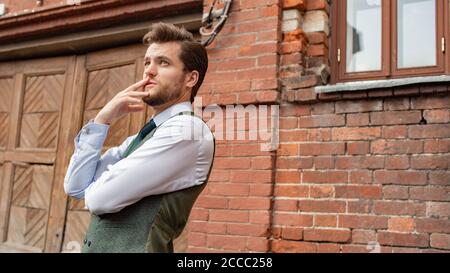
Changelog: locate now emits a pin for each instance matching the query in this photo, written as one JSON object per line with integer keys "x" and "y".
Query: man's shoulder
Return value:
{"x": 190, "y": 125}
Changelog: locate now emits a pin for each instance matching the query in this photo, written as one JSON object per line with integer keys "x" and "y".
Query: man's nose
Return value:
{"x": 150, "y": 70}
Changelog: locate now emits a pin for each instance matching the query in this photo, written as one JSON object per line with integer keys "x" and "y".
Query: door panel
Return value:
{"x": 31, "y": 111}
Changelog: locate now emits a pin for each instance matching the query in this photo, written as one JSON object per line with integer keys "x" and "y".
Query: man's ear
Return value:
{"x": 192, "y": 78}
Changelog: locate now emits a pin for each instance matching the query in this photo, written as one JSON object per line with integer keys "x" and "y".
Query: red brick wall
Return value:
{"x": 354, "y": 172}
{"x": 353, "y": 168}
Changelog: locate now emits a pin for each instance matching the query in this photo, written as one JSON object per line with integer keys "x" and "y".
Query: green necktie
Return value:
{"x": 141, "y": 135}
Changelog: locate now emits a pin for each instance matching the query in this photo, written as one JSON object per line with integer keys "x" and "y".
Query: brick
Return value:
{"x": 319, "y": 135}
{"x": 360, "y": 162}
{"x": 329, "y": 177}
{"x": 427, "y": 162}
{"x": 258, "y": 49}
{"x": 321, "y": 191}
{"x": 436, "y": 209}
{"x": 348, "y": 134}
{"x": 359, "y": 206}
{"x": 199, "y": 214}
{"x": 282, "y": 246}
{"x": 399, "y": 208}
{"x": 328, "y": 248}
{"x": 325, "y": 221}
{"x": 324, "y": 162}
{"x": 360, "y": 177}
{"x": 228, "y": 216}
{"x": 295, "y": 163}
{"x": 439, "y": 178}
{"x": 232, "y": 163}
{"x": 322, "y": 149}
{"x": 430, "y": 131}
{"x": 363, "y": 222}
{"x": 291, "y": 191}
{"x": 212, "y": 202}
{"x": 316, "y": 4}
{"x": 400, "y": 177}
{"x": 440, "y": 241}
{"x": 395, "y": 192}
{"x": 360, "y": 236}
{"x": 207, "y": 227}
{"x": 360, "y": 192}
{"x": 305, "y": 95}
{"x": 292, "y": 233}
{"x": 260, "y": 190}
{"x": 321, "y": 206}
{"x": 322, "y": 108}
{"x": 406, "y": 90}
{"x": 285, "y": 205}
{"x": 357, "y": 120}
{"x": 397, "y": 163}
{"x": 259, "y": 217}
{"x": 327, "y": 235}
{"x": 219, "y": 175}
{"x": 260, "y": 176}
{"x": 396, "y": 147}
{"x": 401, "y": 224}
{"x": 430, "y": 193}
{"x": 317, "y": 50}
{"x": 394, "y": 118}
{"x": 290, "y": 219}
{"x": 394, "y": 132}
{"x": 197, "y": 239}
{"x": 300, "y": 82}
{"x": 359, "y": 106}
{"x": 228, "y": 189}
{"x": 316, "y": 21}
{"x": 226, "y": 242}
{"x": 437, "y": 146}
{"x": 321, "y": 121}
{"x": 357, "y": 148}
{"x": 257, "y": 244}
{"x": 250, "y": 203}
{"x": 398, "y": 104}
{"x": 264, "y": 163}
{"x": 317, "y": 38}
{"x": 427, "y": 103}
{"x": 293, "y": 135}
{"x": 287, "y": 176}
{"x": 247, "y": 229}
{"x": 437, "y": 116}
{"x": 401, "y": 239}
{"x": 290, "y": 4}
{"x": 428, "y": 225}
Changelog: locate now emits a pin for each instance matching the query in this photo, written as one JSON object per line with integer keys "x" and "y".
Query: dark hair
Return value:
{"x": 193, "y": 53}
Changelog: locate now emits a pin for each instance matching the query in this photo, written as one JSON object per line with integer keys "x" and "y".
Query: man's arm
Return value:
{"x": 85, "y": 164}
{"x": 169, "y": 162}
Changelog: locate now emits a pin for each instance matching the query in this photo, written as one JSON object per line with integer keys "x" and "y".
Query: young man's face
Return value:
{"x": 165, "y": 74}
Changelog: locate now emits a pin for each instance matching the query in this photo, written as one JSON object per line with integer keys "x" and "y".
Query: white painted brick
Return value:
{"x": 291, "y": 14}
{"x": 316, "y": 21}
{"x": 290, "y": 25}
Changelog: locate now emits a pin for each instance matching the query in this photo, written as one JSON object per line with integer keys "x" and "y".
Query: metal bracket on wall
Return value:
{"x": 208, "y": 20}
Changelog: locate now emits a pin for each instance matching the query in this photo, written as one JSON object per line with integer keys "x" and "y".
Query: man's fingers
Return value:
{"x": 137, "y": 85}
{"x": 137, "y": 94}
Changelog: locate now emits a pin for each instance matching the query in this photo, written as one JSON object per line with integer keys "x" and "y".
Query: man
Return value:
{"x": 141, "y": 193}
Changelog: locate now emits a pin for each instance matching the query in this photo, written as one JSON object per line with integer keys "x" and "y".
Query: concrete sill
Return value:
{"x": 366, "y": 85}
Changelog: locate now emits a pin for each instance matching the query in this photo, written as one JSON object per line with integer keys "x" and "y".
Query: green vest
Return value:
{"x": 149, "y": 225}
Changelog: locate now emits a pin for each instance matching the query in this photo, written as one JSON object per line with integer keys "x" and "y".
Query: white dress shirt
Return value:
{"x": 178, "y": 156}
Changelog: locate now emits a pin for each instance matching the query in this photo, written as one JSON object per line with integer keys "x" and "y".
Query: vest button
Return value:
{"x": 85, "y": 241}
{"x": 89, "y": 243}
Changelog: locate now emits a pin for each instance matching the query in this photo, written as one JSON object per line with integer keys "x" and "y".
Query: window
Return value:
{"x": 379, "y": 39}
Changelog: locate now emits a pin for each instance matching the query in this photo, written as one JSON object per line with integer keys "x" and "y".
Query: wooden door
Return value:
{"x": 100, "y": 76}
{"x": 33, "y": 101}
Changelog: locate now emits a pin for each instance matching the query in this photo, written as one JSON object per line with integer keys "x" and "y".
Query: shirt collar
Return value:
{"x": 172, "y": 111}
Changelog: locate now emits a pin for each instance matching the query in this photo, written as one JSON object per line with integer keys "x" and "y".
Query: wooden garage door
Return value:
{"x": 43, "y": 105}
{"x": 34, "y": 96}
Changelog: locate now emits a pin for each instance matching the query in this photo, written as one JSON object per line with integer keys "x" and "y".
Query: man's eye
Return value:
{"x": 164, "y": 63}
{"x": 146, "y": 63}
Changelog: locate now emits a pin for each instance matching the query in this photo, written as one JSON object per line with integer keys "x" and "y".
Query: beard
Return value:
{"x": 163, "y": 93}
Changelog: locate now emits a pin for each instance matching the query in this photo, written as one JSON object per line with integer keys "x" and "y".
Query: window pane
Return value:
{"x": 416, "y": 33}
{"x": 363, "y": 35}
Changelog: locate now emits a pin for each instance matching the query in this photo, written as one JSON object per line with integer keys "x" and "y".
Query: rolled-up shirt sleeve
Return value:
{"x": 86, "y": 162}
{"x": 169, "y": 162}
